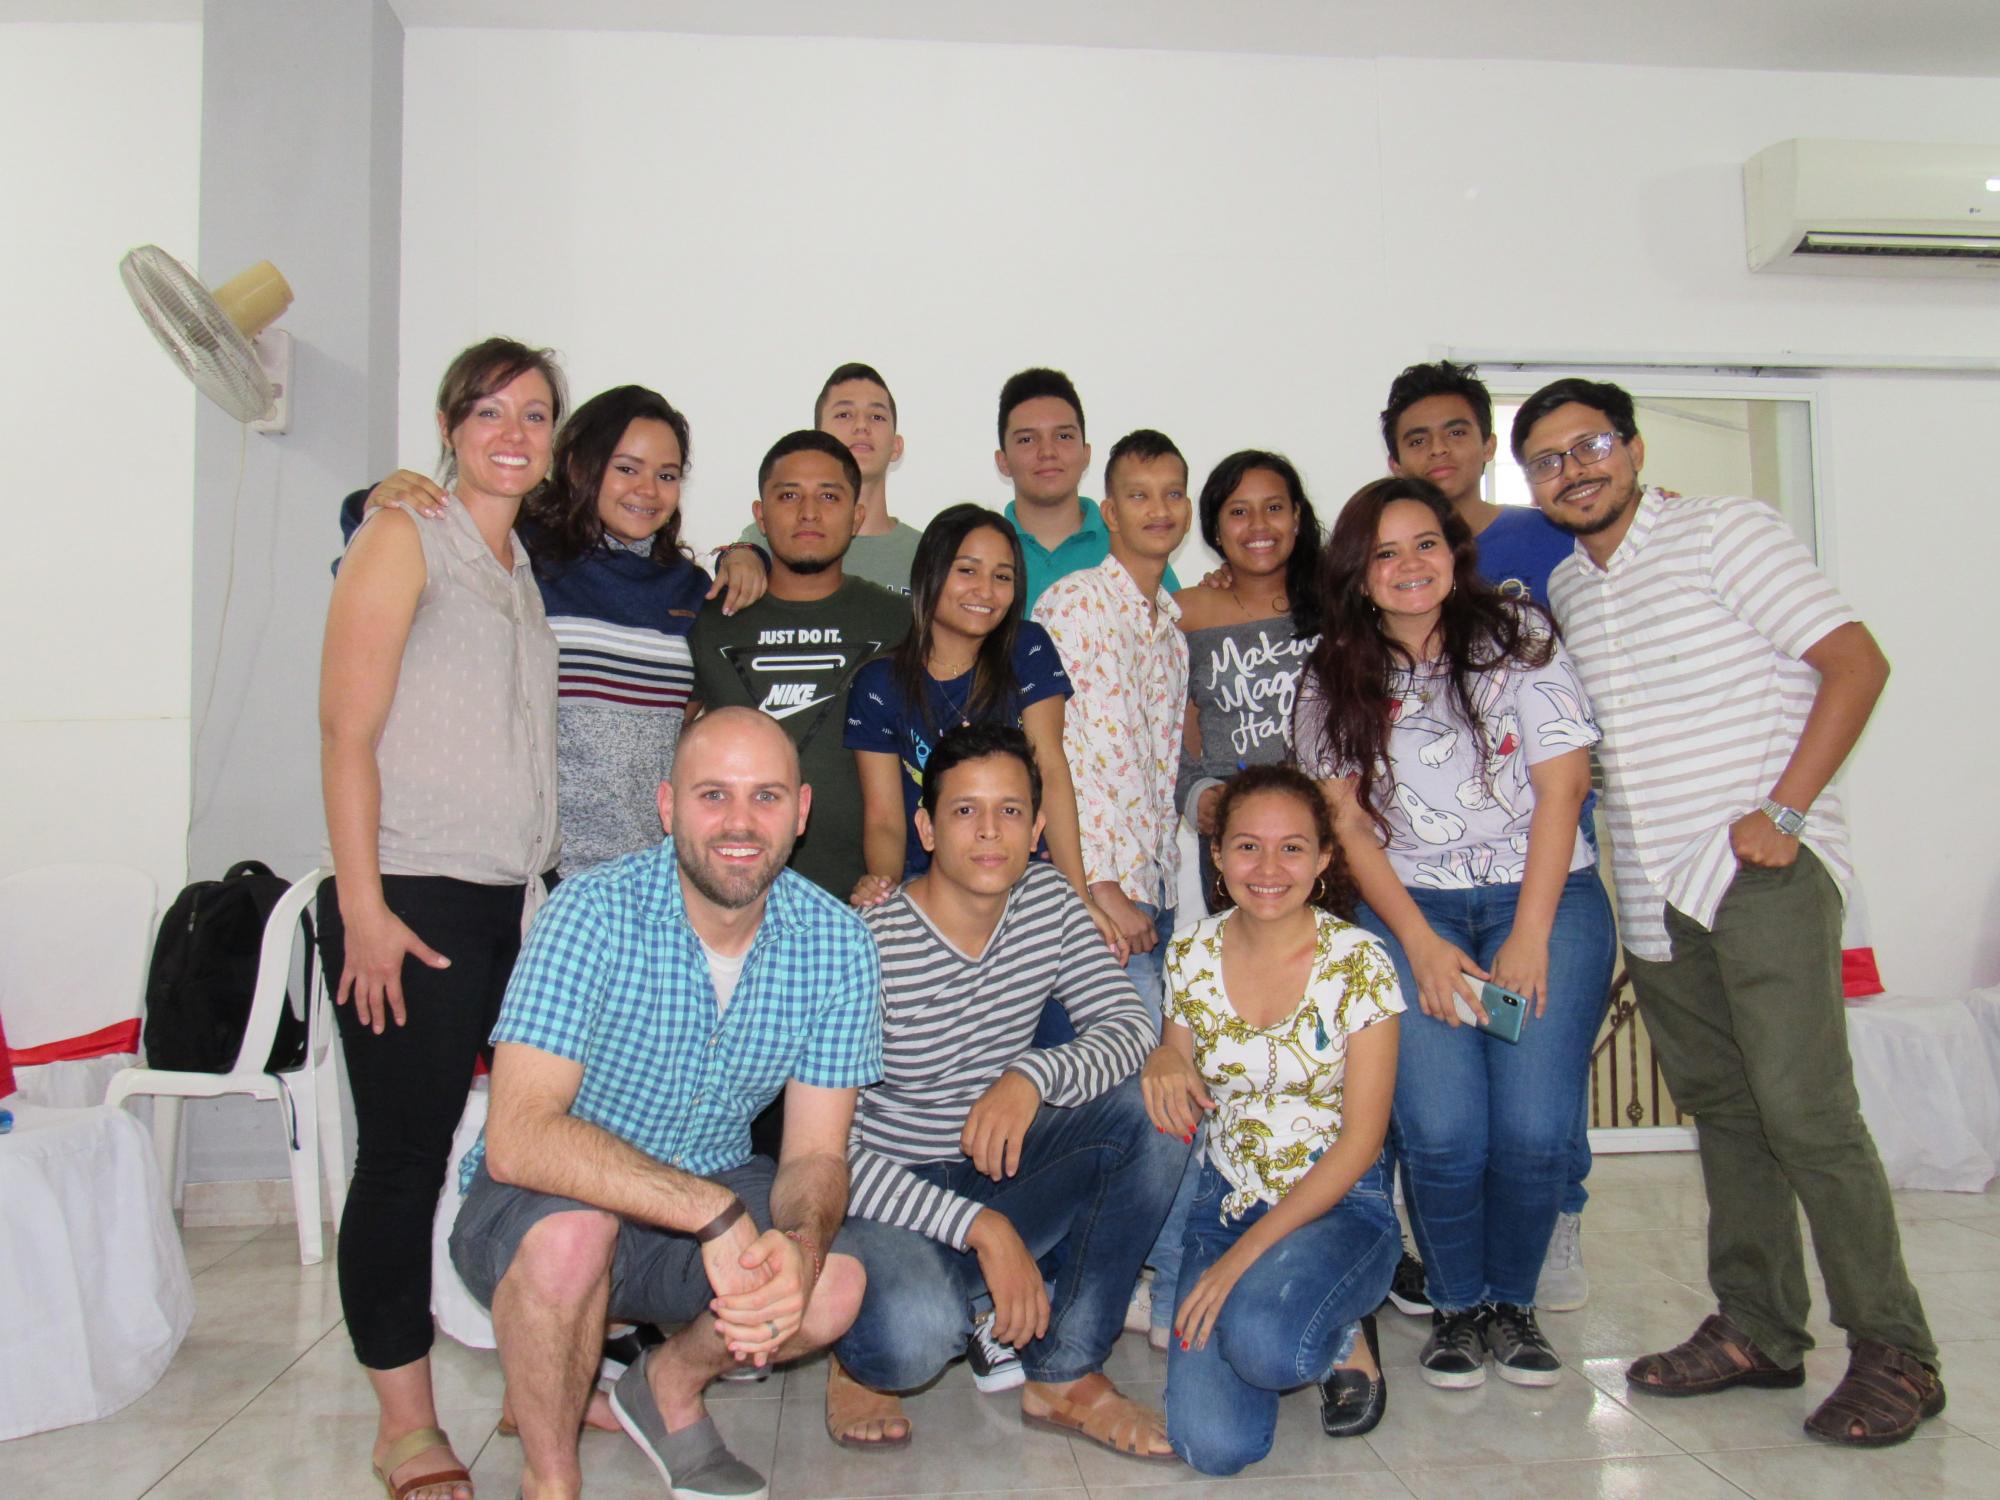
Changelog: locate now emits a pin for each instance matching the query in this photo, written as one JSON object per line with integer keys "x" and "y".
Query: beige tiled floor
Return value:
{"x": 265, "y": 1399}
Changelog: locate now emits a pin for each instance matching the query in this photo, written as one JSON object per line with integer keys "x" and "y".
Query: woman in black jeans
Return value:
{"x": 437, "y": 735}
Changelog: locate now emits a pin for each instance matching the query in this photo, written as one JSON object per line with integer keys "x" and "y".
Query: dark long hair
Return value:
{"x": 1335, "y": 891}
{"x": 568, "y": 526}
{"x": 993, "y": 684}
{"x": 1302, "y": 568}
{"x": 1479, "y": 631}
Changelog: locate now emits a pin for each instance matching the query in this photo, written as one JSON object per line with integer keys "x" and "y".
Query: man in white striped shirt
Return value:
{"x": 981, "y": 1163}
{"x": 1731, "y": 681}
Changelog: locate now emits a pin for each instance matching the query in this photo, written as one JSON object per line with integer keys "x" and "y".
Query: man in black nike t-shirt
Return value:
{"x": 793, "y": 653}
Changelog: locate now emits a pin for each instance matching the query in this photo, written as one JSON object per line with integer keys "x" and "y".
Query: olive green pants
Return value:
{"x": 1751, "y": 1034}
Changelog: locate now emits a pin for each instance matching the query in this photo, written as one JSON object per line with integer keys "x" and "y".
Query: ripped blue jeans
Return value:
{"x": 1288, "y": 1321}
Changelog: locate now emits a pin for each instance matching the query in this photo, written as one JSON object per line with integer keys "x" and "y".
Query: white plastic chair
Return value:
{"x": 74, "y": 943}
{"x": 309, "y": 1095}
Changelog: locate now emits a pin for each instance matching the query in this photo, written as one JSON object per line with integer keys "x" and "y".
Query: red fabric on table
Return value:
{"x": 106, "y": 1041}
{"x": 1859, "y": 977}
{"x": 6, "y": 1064}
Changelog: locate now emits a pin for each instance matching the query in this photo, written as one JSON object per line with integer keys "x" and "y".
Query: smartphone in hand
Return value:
{"x": 1505, "y": 1010}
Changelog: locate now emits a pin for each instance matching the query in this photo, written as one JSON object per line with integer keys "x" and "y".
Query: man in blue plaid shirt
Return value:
{"x": 660, "y": 1002}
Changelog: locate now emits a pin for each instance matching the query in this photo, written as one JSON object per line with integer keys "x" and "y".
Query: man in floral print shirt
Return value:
{"x": 1128, "y": 663}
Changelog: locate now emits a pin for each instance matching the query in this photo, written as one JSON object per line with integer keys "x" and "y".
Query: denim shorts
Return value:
{"x": 657, "y": 1275}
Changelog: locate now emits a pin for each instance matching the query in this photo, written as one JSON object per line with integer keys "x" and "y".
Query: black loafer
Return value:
{"x": 1351, "y": 1403}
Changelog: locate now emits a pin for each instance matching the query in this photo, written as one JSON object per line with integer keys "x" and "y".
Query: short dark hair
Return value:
{"x": 1141, "y": 443}
{"x": 1026, "y": 385}
{"x": 1421, "y": 382}
{"x": 853, "y": 370}
{"x": 810, "y": 440}
{"x": 976, "y": 742}
{"x": 488, "y": 366}
{"x": 1599, "y": 395}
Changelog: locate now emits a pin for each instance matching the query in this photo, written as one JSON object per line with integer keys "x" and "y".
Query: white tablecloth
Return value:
{"x": 94, "y": 1290}
{"x": 73, "y": 1085}
{"x": 1928, "y": 1091}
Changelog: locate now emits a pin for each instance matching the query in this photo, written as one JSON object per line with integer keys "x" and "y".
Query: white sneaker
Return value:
{"x": 1157, "y": 1339}
{"x": 1564, "y": 1285}
{"x": 1139, "y": 1311}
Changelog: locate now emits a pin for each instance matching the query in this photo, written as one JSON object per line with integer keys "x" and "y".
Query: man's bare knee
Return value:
{"x": 564, "y": 1258}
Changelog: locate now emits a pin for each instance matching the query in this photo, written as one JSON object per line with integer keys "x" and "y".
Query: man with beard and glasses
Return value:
{"x": 1731, "y": 681}
{"x": 661, "y": 1001}
{"x": 794, "y": 652}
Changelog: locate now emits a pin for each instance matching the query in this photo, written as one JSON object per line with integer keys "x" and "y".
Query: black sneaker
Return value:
{"x": 1406, "y": 1287}
{"x": 1520, "y": 1352}
{"x": 1454, "y": 1356}
{"x": 995, "y": 1366}
{"x": 622, "y": 1350}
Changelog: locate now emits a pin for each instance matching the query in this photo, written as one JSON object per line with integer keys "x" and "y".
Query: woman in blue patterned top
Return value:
{"x": 971, "y": 659}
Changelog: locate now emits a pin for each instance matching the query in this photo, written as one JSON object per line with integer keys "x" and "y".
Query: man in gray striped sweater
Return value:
{"x": 981, "y": 1164}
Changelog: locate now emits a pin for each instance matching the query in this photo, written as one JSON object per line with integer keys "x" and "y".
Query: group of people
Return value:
{"x": 896, "y": 1046}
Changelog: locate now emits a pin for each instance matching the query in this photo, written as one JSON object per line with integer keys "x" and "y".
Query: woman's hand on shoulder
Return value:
{"x": 1175, "y": 1095}
{"x": 408, "y": 487}
{"x": 1108, "y": 930}
{"x": 741, "y": 579}
{"x": 871, "y": 890}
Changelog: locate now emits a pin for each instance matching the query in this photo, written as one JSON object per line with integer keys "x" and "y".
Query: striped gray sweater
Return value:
{"x": 951, "y": 1025}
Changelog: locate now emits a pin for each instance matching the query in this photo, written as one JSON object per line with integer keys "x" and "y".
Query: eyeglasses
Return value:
{"x": 1592, "y": 450}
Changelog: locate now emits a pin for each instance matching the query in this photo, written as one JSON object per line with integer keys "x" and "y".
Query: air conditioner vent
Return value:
{"x": 1970, "y": 248}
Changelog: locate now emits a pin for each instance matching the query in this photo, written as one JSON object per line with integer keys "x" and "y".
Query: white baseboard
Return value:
{"x": 211, "y": 1205}
{"x": 1642, "y": 1138}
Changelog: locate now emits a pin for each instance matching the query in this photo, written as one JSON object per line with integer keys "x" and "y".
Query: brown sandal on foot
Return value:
{"x": 1718, "y": 1356}
{"x": 1095, "y": 1408}
{"x": 407, "y": 1447}
{"x": 1880, "y": 1400}
{"x": 851, "y": 1405}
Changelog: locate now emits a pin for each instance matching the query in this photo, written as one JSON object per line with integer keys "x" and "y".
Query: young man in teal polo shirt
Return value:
{"x": 1044, "y": 455}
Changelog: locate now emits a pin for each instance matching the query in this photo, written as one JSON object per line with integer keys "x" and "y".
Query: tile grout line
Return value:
{"x": 239, "y": 1410}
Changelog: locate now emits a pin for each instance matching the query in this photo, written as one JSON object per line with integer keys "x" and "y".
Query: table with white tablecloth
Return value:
{"x": 94, "y": 1290}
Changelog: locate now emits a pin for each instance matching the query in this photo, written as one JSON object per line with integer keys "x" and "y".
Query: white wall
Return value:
{"x": 1240, "y": 250}
{"x": 102, "y": 128}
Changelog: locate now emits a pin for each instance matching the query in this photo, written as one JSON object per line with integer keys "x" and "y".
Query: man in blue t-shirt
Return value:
{"x": 1438, "y": 425}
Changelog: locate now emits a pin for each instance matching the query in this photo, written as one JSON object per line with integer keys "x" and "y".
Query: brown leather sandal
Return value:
{"x": 1095, "y": 1408}
{"x": 850, "y": 1405}
{"x": 407, "y": 1447}
{"x": 1880, "y": 1400}
{"x": 1718, "y": 1356}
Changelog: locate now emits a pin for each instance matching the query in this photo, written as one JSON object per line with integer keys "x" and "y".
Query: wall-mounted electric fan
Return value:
{"x": 222, "y": 340}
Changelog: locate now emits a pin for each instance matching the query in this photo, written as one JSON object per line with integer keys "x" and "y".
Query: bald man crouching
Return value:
{"x": 660, "y": 1002}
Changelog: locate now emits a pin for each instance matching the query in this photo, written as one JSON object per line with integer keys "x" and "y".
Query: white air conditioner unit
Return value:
{"x": 1873, "y": 208}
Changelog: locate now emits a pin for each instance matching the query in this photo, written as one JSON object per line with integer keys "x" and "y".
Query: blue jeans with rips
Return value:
{"x": 1289, "y": 1320}
{"x": 1093, "y": 1185}
{"x": 1486, "y": 1127}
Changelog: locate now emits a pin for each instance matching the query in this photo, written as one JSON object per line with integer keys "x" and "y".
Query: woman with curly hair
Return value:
{"x": 1281, "y": 1026}
{"x": 1451, "y": 735}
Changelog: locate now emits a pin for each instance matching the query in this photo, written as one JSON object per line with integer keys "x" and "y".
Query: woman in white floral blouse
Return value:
{"x": 1281, "y": 1025}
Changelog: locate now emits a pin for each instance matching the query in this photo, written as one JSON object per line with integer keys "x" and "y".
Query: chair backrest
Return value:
{"x": 74, "y": 941}
{"x": 274, "y": 971}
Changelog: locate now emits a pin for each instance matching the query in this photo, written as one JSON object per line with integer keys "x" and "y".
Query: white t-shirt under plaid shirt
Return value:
{"x": 1690, "y": 642}
{"x": 613, "y": 976}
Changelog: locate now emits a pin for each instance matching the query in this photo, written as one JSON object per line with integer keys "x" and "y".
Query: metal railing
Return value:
{"x": 1626, "y": 1090}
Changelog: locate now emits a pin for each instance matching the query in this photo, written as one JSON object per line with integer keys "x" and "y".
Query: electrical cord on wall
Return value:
{"x": 200, "y": 725}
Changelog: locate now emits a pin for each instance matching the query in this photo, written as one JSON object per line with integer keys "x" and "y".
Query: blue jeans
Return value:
{"x": 1286, "y": 1323}
{"x": 1486, "y": 1127}
{"x": 1094, "y": 1183}
{"x": 1165, "y": 1256}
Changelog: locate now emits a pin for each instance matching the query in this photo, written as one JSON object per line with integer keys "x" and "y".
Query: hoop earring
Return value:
{"x": 1218, "y": 893}
{"x": 1320, "y": 890}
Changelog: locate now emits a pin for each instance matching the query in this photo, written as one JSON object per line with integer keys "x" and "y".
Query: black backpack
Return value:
{"x": 204, "y": 973}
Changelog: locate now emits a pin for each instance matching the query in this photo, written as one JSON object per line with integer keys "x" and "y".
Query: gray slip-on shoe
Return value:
{"x": 694, "y": 1463}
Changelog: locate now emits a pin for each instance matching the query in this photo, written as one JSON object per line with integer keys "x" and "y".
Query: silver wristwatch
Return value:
{"x": 1789, "y": 820}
